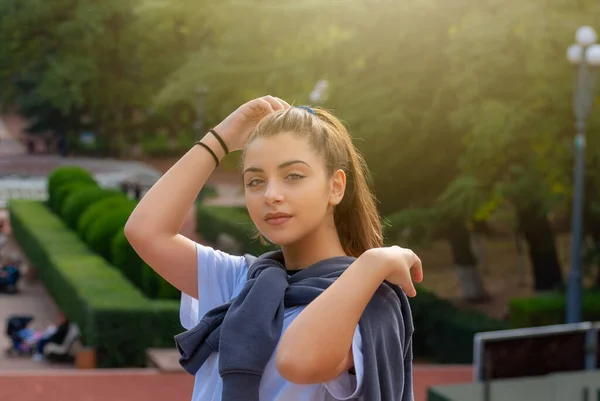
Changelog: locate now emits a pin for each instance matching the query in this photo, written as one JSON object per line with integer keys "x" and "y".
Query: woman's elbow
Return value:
{"x": 134, "y": 229}
{"x": 304, "y": 369}
{"x": 131, "y": 230}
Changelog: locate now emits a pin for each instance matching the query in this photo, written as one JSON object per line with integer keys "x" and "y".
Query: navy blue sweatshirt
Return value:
{"x": 246, "y": 330}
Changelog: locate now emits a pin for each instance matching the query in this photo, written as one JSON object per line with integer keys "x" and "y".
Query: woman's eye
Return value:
{"x": 295, "y": 176}
{"x": 253, "y": 182}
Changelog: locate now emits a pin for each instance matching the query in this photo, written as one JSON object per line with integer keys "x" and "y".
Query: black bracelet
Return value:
{"x": 205, "y": 146}
{"x": 221, "y": 141}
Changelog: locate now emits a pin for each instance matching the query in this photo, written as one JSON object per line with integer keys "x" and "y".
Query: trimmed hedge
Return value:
{"x": 65, "y": 175}
{"x": 550, "y": 309}
{"x": 126, "y": 259}
{"x": 156, "y": 287}
{"x": 78, "y": 202}
{"x": 102, "y": 231}
{"x": 139, "y": 273}
{"x": 97, "y": 211}
{"x": 234, "y": 221}
{"x": 114, "y": 316}
{"x": 63, "y": 192}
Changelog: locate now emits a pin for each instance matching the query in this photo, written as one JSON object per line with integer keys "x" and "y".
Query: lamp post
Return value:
{"x": 319, "y": 92}
{"x": 585, "y": 54}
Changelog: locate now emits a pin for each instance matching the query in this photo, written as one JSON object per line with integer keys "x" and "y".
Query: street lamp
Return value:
{"x": 319, "y": 93}
{"x": 585, "y": 54}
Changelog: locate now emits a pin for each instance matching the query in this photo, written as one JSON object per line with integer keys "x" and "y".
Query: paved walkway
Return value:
{"x": 32, "y": 299}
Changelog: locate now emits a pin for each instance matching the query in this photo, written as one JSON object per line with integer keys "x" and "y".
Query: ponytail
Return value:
{"x": 356, "y": 217}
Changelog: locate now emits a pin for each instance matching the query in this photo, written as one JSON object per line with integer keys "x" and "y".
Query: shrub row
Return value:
{"x": 543, "y": 310}
{"x": 442, "y": 331}
{"x": 114, "y": 316}
{"x": 99, "y": 216}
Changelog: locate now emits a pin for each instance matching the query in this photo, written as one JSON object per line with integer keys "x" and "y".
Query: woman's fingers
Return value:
{"x": 417, "y": 270}
{"x": 284, "y": 103}
{"x": 275, "y": 104}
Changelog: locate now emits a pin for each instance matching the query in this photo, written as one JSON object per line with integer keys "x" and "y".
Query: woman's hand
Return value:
{"x": 395, "y": 264}
{"x": 238, "y": 125}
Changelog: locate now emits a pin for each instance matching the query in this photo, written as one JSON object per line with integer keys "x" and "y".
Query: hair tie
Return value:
{"x": 309, "y": 109}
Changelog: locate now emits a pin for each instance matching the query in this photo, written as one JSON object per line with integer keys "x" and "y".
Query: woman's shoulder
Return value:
{"x": 208, "y": 255}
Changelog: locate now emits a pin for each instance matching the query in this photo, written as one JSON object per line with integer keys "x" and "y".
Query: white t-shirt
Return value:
{"x": 221, "y": 277}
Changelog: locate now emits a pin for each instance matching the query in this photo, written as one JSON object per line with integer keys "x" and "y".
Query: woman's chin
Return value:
{"x": 280, "y": 239}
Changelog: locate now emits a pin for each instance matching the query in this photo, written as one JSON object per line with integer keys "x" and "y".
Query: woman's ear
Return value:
{"x": 338, "y": 187}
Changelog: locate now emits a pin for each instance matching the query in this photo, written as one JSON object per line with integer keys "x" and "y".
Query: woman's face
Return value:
{"x": 288, "y": 191}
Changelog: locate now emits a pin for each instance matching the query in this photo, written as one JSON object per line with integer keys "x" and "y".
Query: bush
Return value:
{"x": 444, "y": 332}
{"x": 62, "y": 175}
{"x": 67, "y": 189}
{"x": 544, "y": 310}
{"x": 101, "y": 232}
{"x": 126, "y": 259}
{"x": 143, "y": 276}
{"x": 97, "y": 212}
{"x": 115, "y": 318}
{"x": 156, "y": 287}
{"x": 234, "y": 221}
{"x": 78, "y": 202}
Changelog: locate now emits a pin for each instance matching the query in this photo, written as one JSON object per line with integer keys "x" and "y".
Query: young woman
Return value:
{"x": 337, "y": 334}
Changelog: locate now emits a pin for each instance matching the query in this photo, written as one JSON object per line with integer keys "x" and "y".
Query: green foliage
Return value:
{"x": 77, "y": 203}
{"x": 97, "y": 212}
{"x": 67, "y": 189}
{"x": 143, "y": 276}
{"x": 412, "y": 226}
{"x": 234, "y": 221}
{"x": 155, "y": 287}
{"x": 543, "y": 310}
{"x": 114, "y": 316}
{"x": 101, "y": 232}
{"x": 124, "y": 257}
{"x": 65, "y": 175}
{"x": 437, "y": 320}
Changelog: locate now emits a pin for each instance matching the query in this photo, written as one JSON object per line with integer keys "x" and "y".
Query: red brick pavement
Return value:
{"x": 96, "y": 386}
{"x": 148, "y": 385}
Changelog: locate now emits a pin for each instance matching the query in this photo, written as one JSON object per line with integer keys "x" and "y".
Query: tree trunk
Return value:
{"x": 465, "y": 263}
{"x": 521, "y": 261}
{"x": 538, "y": 233}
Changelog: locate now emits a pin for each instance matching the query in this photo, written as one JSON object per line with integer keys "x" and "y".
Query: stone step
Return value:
{"x": 166, "y": 360}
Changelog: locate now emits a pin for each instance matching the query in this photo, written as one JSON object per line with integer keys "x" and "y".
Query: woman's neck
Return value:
{"x": 321, "y": 244}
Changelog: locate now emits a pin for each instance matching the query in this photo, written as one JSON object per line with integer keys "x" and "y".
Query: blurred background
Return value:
{"x": 477, "y": 120}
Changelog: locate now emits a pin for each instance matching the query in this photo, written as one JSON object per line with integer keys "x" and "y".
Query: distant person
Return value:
{"x": 62, "y": 146}
{"x": 137, "y": 191}
{"x": 323, "y": 318}
{"x": 54, "y": 333}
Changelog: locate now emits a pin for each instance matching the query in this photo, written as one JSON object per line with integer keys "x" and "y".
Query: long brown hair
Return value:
{"x": 356, "y": 216}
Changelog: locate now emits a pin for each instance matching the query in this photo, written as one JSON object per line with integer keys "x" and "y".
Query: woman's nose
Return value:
{"x": 273, "y": 194}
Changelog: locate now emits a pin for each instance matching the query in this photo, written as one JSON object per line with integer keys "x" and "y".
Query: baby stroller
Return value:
{"x": 23, "y": 339}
